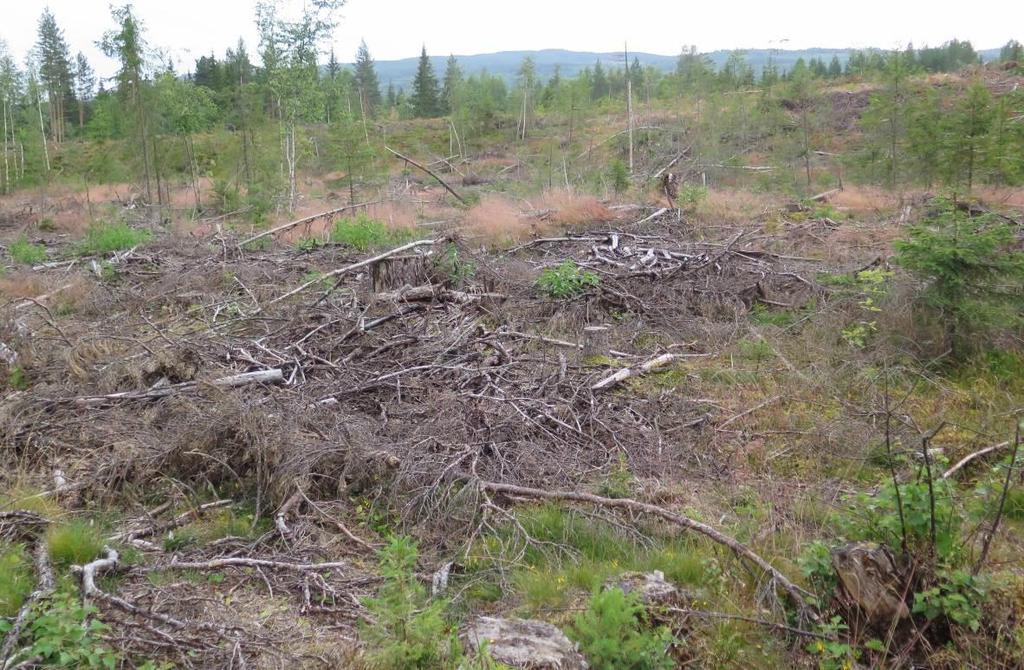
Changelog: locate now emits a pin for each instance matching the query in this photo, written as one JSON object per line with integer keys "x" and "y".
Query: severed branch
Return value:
{"x": 626, "y": 373}
{"x": 354, "y": 266}
{"x": 796, "y": 594}
{"x": 309, "y": 219}
{"x": 178, "y": 521}
{"x": 218, "y": 563}
{"x": 272, "y": 376}
{"x": 430, "y": 172}
{"x": 431, "y": 292}
{"x": 972, "y": 456}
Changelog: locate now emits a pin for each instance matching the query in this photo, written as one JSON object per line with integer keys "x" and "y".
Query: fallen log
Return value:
{"x": 430, "y": 172}
{"x": 308, "y": 219}
{"x": 795, "y": 593}
{"x": 625, "y": 373}
{"x": 431, "y": 292}
{"x": 272, "y": 376}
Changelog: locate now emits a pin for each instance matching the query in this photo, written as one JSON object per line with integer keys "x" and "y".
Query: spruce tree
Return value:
{"x": 85, "y": 82}
{"x": 425, "y": 93}
{"x": 55, "y": 72}
{"x": 452, "y": 80}
{"x": 366, "y": 80}
{"x": 599, "y": 83}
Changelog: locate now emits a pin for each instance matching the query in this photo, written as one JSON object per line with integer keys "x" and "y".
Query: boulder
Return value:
{"x": 869, "y": 577}
{"x": 651, "y": 587}
{"x": 523, "y": 643}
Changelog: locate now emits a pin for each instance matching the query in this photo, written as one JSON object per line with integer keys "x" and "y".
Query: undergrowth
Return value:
{"x": 363, "y": 232}
{"x": 105, "y": 238}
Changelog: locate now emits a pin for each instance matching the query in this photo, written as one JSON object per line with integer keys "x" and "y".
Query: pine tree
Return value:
{"x": 425, "y": 92}
{"x": 85, "y": 82}
{"x": 452, "y": 81}
{"x": 55, "y": 73}
{"x": 392, "y": 98}
{"x": 366, "y": 80}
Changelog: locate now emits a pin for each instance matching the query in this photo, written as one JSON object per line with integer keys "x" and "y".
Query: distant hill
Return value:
{"x": 506, "y": 63}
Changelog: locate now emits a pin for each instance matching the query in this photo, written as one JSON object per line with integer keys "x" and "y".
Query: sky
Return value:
{"x": 187, "y": 29}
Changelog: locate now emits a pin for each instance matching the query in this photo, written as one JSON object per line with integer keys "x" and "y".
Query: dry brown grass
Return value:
{"x": 865, "y": 199}
{"x": 573, "y": 209}
{"x": 19, "y": 285}
{"x": 729, "y": 206}
{"x": 496, "y": 220}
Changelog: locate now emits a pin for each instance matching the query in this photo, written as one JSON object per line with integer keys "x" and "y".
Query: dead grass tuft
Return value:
{"x": 733, "y": 206}
{"x": 574, "y": 209}
{"x": 496, "y": 220}
{"x": 865, "y": 199}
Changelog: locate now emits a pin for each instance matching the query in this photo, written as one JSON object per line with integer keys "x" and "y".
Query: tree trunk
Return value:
{"x": 42, "y": 131}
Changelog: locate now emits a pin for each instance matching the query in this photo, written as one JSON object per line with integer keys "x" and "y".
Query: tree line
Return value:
{"x": 268, "y": 101}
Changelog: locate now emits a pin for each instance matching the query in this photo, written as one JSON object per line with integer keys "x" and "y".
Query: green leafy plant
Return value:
{"x": 410, "y": 629}
{"x": 834, "y": 654}
{"x": 309, "y": 244}
{"x": 815, "y": 563}
{"x": 619, "y": 482}
{"x": 63, "y": 633}
{"x": 105, "y": 238}
{"x": 612, "y": 636}
{"x": 24, "y": 252}
{"x": 956, "y": 597}
{"x": 566, "y": 280}
{"x": 974, "y": 276}
{"x": 692, "y": 195}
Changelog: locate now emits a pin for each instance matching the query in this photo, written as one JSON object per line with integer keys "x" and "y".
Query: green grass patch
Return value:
{"x": 105, "y": 238}
{"x": 363, "y": 233}
{"x": 24, "y": 252}
{"x": 30, "y": 499}
{"x": 572, "y": 554}
{"x": 16, "y": 580}
{"x": 780, "y": 318}
{"x": 74, "y": 543}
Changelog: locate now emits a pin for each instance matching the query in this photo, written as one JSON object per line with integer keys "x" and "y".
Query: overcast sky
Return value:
{"x": 187, "y": 29}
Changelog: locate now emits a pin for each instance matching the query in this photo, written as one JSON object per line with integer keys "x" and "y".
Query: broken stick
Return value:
{"x": 428, "y": 171}
{"x": 626, "y": 373}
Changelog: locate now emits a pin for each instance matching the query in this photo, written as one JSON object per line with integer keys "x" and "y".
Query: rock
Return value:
{"x": 869, "y": 577}
{"x": 651, "y": 587}
{"x": 523, "y": 643}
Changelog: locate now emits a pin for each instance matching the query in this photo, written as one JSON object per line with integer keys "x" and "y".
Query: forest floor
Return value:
{"x": 247, "y": 424}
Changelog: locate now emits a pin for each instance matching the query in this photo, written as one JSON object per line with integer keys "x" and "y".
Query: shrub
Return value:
{"x": 955, "y": 597}
{"x": 410, "y": 630}
{"x": 566, "y": 280}
{"x": 15, "y": 578}
{"x": 612, "y": 637}
{"x": 105, "y": 238}
{"x": 64, "y": 633}
{"x": 363, "y": 233}
{"x": 73, "y": 543}
{"x": 974, "y": 275}
{"x": 24, "y": 252}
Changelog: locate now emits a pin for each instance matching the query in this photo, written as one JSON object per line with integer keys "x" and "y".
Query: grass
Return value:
{"x": 573, "y": 555}
{"x": 105, "y": 238}
{"x": 74, "y": 543}
{"x": 16, "y": 579}
{"x": 24, "y": 252}
{"x": 363, "y": 233}
{"x": 23, "y": 497}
